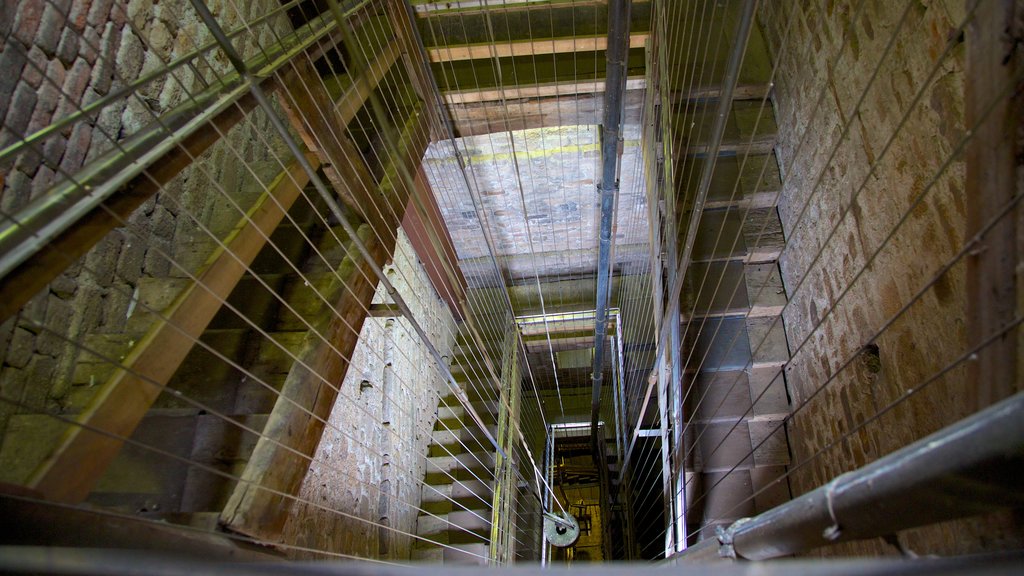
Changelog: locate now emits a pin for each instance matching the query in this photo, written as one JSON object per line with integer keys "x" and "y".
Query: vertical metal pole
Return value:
{"x": 617, "y": 53}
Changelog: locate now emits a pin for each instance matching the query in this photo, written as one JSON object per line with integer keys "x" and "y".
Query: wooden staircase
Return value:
{"x": 454, "y": 526}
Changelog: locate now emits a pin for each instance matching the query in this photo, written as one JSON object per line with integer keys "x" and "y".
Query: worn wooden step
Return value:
{"x": 459, "y": 494}
{"x": 460, "y": 526}
{"x": 444, "y": 469}
{"x": 456, "y": 416}
{"x": 457, "y": 441}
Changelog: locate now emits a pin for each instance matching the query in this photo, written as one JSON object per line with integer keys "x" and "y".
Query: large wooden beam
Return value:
{"x": 428, "y": 234}
{"x": 527, "y": 113}
{"x": 32, "y": 275}
{"x": 528, "y": 47}
{"x": 312, "y": 114}
{"x": 260, "y": 503}
{"x": 81, "y": 457}
{"x": 28, "y": 522}
{"x": 993, "y": 61}
{"x": 543, "y": 90}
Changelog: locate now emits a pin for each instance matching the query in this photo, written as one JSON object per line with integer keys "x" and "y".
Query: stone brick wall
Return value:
{"x": 389, "y": 403}
{"x": 58, "y": 56}
{"x": 850, "y": 297}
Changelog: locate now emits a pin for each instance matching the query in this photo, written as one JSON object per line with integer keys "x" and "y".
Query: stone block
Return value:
{"x": 30, "y": 14}
{"x": 23, "y": 104}
{"x": 103, "y": 68}
{"x": 56, "y": 323}
{"x": 67, "y": 48}
{"x": 28, "y": 439}
{"x": 20, "y": 349}
{"x": 50, "y": 27}
{"x": 16, "y": 192}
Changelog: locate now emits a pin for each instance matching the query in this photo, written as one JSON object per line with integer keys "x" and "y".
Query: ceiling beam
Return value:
{"x": 528, "y": 47}
{"x": 427, "y": 9}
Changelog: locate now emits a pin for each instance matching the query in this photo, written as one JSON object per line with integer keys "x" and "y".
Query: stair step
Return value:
{"x": 460, "y": 440}
{"x": 472, "y": 494}
{"x": 455, "y": 416}
{"x": 460, "y": 526}
{"x": 457, "y": 554}
{"x": 461, "y": 467}
{"x": 476, "y": 554}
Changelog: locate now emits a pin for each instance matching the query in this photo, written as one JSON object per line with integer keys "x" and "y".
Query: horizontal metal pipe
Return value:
{"x": 969, "y": 468}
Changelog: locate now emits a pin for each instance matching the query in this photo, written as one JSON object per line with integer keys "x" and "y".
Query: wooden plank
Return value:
{"x": 260, "y": 503}
{"x": 544, "y": 90}
{"x": 991, "y": 164}
{"x": 528, "y": 47}
{"x": 312, "y": 114}
{"x": 526, "y": 113}
{"x": 34, "y": 523}
{"x": 348, "y": 106}
{"x": 429, "y": 237}
{"x": 72, "y": 470}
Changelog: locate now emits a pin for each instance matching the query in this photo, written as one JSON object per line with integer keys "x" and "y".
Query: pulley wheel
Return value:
{"x": 561, "y": 534}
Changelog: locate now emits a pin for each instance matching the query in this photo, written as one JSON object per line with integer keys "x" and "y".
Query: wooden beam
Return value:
{"x": 468, "y": 6}
{"x": 741, "y": 92}
{"x": 312, "y": 114}
{"x": 33, "y": 523}
{"x": 993, "y": 61}
{"x": 429, "y": 237}
{"x": 544, "y": 90}
{"x": 260, "y": 503}
{"x": 528, "y": 47}
{"x": 357, "y": 94}
{"x": 27, "y": 279}
{"x": 81, "y": 457}
{"x": 526, "y": 113}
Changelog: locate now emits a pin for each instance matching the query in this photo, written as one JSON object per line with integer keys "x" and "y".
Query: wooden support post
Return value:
{"x": 993, "y": 60}
{"x": 81, "y": 457}
{"x": 262, "y": 499}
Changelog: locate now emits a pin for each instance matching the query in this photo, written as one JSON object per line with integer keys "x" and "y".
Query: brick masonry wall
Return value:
{"x": 931, "y": 332}
{"x": 59, "y": 55}
{"x": 389, "y": 403}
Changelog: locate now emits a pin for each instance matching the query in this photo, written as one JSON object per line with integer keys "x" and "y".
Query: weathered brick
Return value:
{"x": 67, "y": 49}
{"x": 37, "y": 390}
{"x": 17, "y": 189}
{"x": 103, "y": 69}
{"x": 130, "y": 55}
{"x": 131, "y": 259}
{"x": 64, "y": 286}
{"x": 89, "y": 45}
{"x": 78, "y": 15}
{"x": 23, "y": 103}
{"x": 53, "y": 150}
{"x": 30, "y": 13}
{"x": 35, "y": 66}
{"x": 77, "y": 148}
{"x": 58, "y": 314}
{"x": 162, "y": 222}
{"x": 99, "y": 12}
{"x": 50, "y": 28}
{"x": 42, "y": 181}
{"x": 20, "y": 349}
{"x": 77, "y": 79}
{"x": 12, "y": 62}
